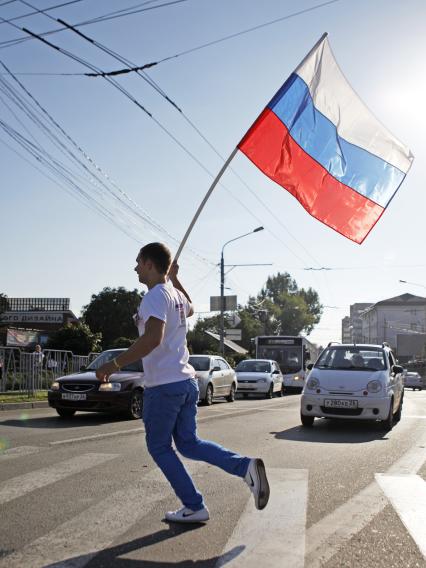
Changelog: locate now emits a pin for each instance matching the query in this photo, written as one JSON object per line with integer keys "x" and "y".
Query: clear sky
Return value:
{"x": 54, "y": 245}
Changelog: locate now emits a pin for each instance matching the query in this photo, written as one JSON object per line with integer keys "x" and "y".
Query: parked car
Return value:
{"x": 215, "y": 378}
{"x": 84, "y": 392}
{"x": 259, "y": 376}
{"x": 357, "y": 382}
{"x": 413, "y": 380}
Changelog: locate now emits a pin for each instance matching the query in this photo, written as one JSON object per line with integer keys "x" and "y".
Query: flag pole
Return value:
{"x": 200, "y": 208}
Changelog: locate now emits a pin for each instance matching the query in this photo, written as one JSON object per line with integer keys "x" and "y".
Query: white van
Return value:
{"x": 357, "y": 382}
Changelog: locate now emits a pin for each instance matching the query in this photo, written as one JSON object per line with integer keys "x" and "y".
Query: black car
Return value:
{"x": 83, "y": 391}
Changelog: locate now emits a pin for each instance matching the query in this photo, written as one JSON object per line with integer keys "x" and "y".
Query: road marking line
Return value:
{"x": 74, "y": 543}
{"x": 414, "y": 416}
{"x": 23, "y": 484}
{"x": 97, "y": 436}
{"x": 19, "y": 451}
{"x": 274, "y": 537}
{"x": 407, "y": 494}
{"x": 325, "y": 538}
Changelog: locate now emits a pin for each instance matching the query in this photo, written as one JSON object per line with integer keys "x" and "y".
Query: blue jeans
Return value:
{"x": 169, "y": 411}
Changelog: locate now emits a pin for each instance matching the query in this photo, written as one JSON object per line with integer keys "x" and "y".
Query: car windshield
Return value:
{"x": 352, "y": 359}
{"x": 108, "y": 356}
{"x": 252, "y": 366}
{"x": 200, "y": 363}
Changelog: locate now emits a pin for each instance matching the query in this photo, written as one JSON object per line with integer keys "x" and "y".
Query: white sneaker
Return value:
{"x": 257, "y": 481}
{"x": 186, "y": 515}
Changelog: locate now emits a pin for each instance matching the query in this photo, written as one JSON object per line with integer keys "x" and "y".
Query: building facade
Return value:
{"x": 352, "y": 324}
{"x": 27, "y": 321}
{"x": 403, "y": 315}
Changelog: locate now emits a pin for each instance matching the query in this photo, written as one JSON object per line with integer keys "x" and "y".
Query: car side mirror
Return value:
{"x": 276, "y": 372}
{"x": 397, "y": 369}
{"x": 310, "y": 366}
{"x": 83, "y": 368}
{"x": 217, "y": 368}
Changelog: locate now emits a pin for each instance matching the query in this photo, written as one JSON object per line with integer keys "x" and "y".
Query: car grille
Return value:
{"x": 342, "y": 392}
{"x": 251, "y": 381}
{"x": 342, "y": 411}
{"x": 78, "y": 387}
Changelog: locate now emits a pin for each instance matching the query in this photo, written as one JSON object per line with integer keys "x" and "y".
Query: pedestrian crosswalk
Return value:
{"x": 274, "y": 537}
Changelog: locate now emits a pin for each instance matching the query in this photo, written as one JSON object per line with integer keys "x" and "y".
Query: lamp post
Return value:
{"x": 412, "y": 283}
{"x": 222, "y": 288}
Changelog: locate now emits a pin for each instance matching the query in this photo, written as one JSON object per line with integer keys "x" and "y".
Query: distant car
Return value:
{"x": 259, "y": 376}
{"x": 356, "y": 382}
{"x": 215, "y": 378}
{"x": 413, "y": 380}
{"x": 84, "y": 392}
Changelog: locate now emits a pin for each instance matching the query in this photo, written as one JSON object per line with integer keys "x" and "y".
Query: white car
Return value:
{"x": 357, "y": 382}
{"x": 259, "y": 376}
{"x": 413, "y": 380}
{"x": 215, "y": 378}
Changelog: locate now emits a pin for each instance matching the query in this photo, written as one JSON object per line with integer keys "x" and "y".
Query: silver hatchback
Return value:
{"x": 215, "y": 378}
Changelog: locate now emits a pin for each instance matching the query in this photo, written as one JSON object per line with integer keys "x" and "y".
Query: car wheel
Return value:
{"x": 245, "y": 394}
{"x": 307, "y": 421}
{"x": 387, "y": 424}
{"x": 231, "y": 396}
{"x": 270, "y": 393}
{"x": 281, "y": 392}
{"x": 397, "y": 416}
{"x": 65, "y": 412}
{"x": 135, "y": 405}
{"x": 208, "y": 399}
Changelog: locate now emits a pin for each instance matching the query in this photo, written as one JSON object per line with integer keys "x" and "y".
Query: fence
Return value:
{"x": 30, "y": 372}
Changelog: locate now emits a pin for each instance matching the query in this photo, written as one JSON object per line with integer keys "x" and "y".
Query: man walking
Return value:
{"x": 171, "y": 390}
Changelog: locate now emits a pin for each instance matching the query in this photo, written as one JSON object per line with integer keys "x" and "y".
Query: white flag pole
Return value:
{"x": 200, "y": 208}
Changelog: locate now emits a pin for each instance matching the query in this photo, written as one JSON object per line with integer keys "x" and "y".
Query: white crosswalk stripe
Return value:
{"x": 274, "y": 537}
{"x": 19, "y": 451}
{"x": 92, "y": 530}
{"x": 407, "y": 494}
{"x": 23, "y": 484}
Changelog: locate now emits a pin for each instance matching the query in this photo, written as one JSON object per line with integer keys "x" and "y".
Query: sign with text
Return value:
{"x": 233, "y": 334}
{"x": 230, "y": 303}
{"x": 31, "y": 317}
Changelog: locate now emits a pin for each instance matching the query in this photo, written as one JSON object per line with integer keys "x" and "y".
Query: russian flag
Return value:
{"x": 318, "y": 140}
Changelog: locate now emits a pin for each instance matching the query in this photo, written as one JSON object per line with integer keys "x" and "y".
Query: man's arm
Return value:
{"x": 153, "y": 336}
{"x": 172, "y": 274}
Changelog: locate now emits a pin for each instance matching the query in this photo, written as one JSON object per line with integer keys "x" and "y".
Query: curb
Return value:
{"x": 20, "y": 405}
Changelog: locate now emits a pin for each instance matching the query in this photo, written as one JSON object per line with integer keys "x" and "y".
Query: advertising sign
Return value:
{"x": 21, "y": 338}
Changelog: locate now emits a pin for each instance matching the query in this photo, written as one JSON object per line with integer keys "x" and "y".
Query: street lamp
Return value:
{"x": 222, "y": 288}
{"x": 412, "y": 283}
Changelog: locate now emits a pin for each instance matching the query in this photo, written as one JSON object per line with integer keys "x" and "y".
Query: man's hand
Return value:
{"x": 104, "y": 371}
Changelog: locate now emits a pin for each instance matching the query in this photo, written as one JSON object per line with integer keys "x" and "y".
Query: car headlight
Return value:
{"x": 297, "y": 378}
{"x": 111, "y": 387}
{"x": 374, "y": 386}
{"x": 55, "y": 386}
{"x": 313, "y": 383}
{"x": 261, "y": 380}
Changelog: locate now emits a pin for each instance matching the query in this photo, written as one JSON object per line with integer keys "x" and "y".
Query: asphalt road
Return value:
{"x": 84, "y": 492}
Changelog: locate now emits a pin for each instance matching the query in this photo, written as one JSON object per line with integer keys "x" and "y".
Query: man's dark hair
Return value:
{"x": 159, "y": 254}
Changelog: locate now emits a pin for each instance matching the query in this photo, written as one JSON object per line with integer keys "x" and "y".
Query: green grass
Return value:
{"x": 22, "y": 397}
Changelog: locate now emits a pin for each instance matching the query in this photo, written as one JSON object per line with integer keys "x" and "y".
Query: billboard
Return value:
{"x": 21, "y": 338}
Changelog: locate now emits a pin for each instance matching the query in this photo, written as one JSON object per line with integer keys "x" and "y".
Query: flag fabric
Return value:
{"x": 318, "y": 140}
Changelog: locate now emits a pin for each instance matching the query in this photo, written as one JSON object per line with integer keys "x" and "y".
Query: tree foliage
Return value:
{"x": 76, "y": 338}
{"x": 4, "y": 304}
{"x": 110, "y": 312}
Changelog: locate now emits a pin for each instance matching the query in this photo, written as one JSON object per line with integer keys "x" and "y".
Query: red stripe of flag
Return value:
{"x": 269, "y": 145}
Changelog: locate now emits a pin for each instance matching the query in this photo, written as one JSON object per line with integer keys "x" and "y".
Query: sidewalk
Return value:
{"x": 19, "y": 405}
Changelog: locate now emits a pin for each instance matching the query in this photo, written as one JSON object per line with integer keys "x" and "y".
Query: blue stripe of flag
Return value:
{"x": 357, "y": 168}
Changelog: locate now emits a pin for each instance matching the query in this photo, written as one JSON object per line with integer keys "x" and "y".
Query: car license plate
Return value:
{"x": 73, "y": 396}
{"x": 338, "y": 403}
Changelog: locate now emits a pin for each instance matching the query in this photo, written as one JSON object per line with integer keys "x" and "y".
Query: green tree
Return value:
{"x": 199, "y": 341}
{"x": 110, "y": 312}
{"x": 76, "y": 338}
{"x": 4, "y": 304}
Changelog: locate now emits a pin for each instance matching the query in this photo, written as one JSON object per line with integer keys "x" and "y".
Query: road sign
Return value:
{"x": 234, "y": 320}
{"x": 230, "y": 303}
{"x": 233, "y": 334}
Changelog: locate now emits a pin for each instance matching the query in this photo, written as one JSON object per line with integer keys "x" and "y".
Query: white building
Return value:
{"x": 385, "y": 320}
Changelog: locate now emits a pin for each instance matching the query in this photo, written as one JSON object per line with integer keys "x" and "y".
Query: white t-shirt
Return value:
{"x": 167, "y": 363}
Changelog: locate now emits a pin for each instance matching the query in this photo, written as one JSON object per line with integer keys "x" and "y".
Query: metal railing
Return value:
{"x": 30, "y": 372}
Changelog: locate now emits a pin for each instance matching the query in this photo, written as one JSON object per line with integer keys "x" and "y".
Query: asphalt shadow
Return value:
{"x": 111, "y": 556}
{"x": 334, "y": 431}
{"x": 57, "y": 423}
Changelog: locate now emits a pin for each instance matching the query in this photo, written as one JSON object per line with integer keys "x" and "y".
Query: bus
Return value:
{"x": 292, "y": 353}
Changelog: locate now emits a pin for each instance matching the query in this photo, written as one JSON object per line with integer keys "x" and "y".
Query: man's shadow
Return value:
{"x": 110, "y": 556}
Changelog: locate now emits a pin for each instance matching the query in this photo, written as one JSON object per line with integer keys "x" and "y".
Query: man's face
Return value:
{"x": 142, "y": 268}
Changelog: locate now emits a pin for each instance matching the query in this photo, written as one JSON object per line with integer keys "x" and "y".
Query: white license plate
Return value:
{"x": 339, "y": 403}
{"x": 73, "y": 396}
